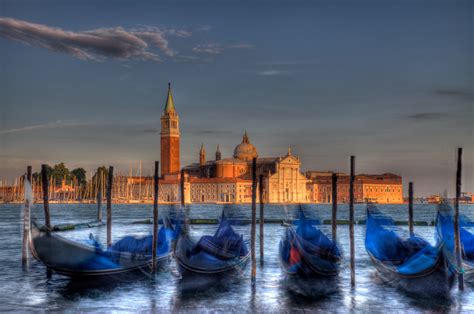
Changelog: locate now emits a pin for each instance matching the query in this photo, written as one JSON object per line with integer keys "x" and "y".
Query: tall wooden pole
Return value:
{"x": 99, "y": 196}
{"x": 45, "y": 182}
{"x": 261, "y": 220}
{"x": 155, "y": 215}
{"x": 351, "y": 220}
{"x": 334, "y": 206}
{"x": 254, "y": 220}
{"x": 182, "y": 187}
{"x": 410, "y": 208}
{"x": 109, "y": 206}
{"x": 457, "y": 237}
{"x": 26, "y": 222}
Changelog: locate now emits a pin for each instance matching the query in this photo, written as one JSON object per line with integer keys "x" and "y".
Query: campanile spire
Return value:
{"x": 170, "y": 137}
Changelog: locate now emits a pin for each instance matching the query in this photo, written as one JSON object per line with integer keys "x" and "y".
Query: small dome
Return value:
{"x": 245, "y": 150}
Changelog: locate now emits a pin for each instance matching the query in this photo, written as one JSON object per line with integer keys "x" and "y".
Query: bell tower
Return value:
{"x": 170, "y": 137}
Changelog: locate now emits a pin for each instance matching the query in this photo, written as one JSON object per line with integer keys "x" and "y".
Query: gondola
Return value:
{"x": 411, "y": 263}
{"x": 445, "y": 235}
{"x": 310, "y": 260}
{"x": 124, "y": 260}
{"x": 224, "y": 253}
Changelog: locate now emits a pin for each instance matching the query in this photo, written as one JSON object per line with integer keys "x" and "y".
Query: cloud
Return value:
{"x": 203, "y": 28}
{"x": 289, "y": 62}
{"x": 454, "y": 93}
{"x": 427, "y": 116}
{"x": 49, "y": 125}
{"x": 212, "y": 49}
{"x": 271, "y": 72}
{"x": 97, "y": 44}
{"x": 241, "y": 46}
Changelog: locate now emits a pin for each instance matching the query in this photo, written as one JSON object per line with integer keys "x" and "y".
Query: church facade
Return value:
{"x": 229, "y": 179}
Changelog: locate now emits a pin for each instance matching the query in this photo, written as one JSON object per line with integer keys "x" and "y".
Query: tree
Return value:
{"x": 80, "y": 175}
{"x": 37, "y": 175}
{"x": 60, "y": 172}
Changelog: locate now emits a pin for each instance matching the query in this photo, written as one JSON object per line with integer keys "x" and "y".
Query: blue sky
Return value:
{"x": 391, "y": 82}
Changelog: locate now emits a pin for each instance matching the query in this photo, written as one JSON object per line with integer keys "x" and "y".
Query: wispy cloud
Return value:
{"x": 96, "y": 44}
{"x": 447, "y": 92}
{"x": 271, "y": 72}
{"x": 289, "y": 62}
{"x": 427, "y": 116}
{"x": 212, "y": 48}
{"x": 215, "y": 48}
{"x": 49, "y": 125}
{"x": 241, "y": 46}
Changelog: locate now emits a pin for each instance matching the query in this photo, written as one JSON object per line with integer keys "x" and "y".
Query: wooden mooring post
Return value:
{"x": 261, "y": 220}
{"x": 254, "y": 221}
{"x": 351, "y": 220}
{"x": 99, "y": 196}
{"x": 155, "y": 215}
{"x": 109, "y": 206}
{"x": 334, "y": 207}
{"x": 45, "y": 186}
{"x": 182, "y": 187}
{"x": 26, "y": 223}
{"x": 457, "y": 237}
{"x": 410, "y": 208}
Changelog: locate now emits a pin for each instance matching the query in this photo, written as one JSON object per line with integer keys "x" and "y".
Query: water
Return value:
{"x": 31, "y": 290}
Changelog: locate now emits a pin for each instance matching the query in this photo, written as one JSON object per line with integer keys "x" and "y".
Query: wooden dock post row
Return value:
{"x": 26, "y": 224}
{"x": 261, "y": 220}
{"x": 155, "y": 216}
{"x": 410, "y": 208}
{"x": 334, "y": 207}
{"x": 109, "y": 206}
{"x": 254, "y": 221}
{"x": 457, "y": 237}
{"x": 351, "y": 220}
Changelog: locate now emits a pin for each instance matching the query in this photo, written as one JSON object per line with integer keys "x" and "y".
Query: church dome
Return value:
{"x": 245, "y": 150}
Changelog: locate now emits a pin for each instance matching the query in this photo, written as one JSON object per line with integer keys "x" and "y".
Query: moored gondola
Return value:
{"x": 124, "y": 260}
{"x": 224, "y": 253}
{"x": 310, "y": 260}
{"x": 445, "y": 235}
{"x": 410, "y": 264}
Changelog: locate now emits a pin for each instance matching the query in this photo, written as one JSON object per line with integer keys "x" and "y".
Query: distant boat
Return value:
{"x": 125, "y": 259}
{"x": 221, "y": 254}
{"x": 311, "y": 261}
{"x": 445, "y": 235}
{"x": 410, "y": 264}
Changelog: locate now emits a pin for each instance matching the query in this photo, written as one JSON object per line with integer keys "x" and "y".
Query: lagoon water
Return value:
{"x": 31, "y": 290}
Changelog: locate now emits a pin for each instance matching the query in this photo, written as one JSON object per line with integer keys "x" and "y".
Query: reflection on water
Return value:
{"x": 165, "y": 291}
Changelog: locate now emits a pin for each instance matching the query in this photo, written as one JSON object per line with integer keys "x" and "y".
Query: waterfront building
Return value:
{"x": 386, "y": 188}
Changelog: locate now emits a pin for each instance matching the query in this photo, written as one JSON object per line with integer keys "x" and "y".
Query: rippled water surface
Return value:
{"x": 20, "y": 290}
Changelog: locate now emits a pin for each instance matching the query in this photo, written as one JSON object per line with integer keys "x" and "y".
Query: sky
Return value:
{"x": 391, "y": 82}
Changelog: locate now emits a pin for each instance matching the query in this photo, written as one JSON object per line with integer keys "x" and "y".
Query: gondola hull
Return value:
{"x": 189, "y": 268}
{"x": 317, "y": 271}
{"x": 436, "y": 281}
{"x": 77, "y": 260}
{"x": 469, "y": 272}
{"x": 408, "y": 263}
